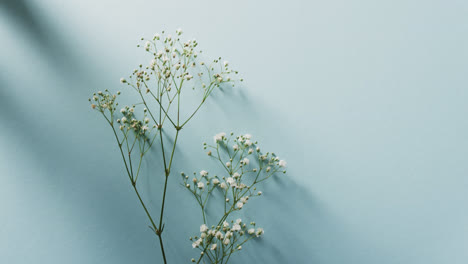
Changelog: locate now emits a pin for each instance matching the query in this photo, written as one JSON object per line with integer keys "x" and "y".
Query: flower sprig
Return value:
{"x": 244, "y": 166}
{"x": 174, "y": 67}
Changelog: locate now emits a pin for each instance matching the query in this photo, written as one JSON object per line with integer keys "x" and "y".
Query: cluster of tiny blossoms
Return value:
{"x": 244, "y": 166}
{"x": 175, "y": 64}
{"x": 219, "y": 242}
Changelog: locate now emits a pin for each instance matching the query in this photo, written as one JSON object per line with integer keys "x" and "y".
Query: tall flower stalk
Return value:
{"x": 160, "y": 86}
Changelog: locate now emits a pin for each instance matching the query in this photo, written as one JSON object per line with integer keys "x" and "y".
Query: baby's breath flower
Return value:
{"x": 203, "y": 173}
{"x": 197, "y": 243}
{"x": 260, "y": 232}
{"x": 203, "y": 228}
{"x": 236, "y": 227}
{"x": 201, "y": 185}
{"x": 230, "y": 181}
{"x": 219, "y": 137}
{"x": 282, "y": 163}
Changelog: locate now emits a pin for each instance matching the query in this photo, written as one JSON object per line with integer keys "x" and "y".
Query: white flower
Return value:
{"x": 230, "y": 180}
{"x": 225, "y": 224}
{"x": 260, "y": 232}
{"x": 235, "y": 147}
{"x": 147, "y": 120}
{"x": 144, "y": 128}
{"x": 236, "y": 227}
{"x": 122, "y": 80}
{"x": 238, "y": 221}
{"x": 282, "y": 163}
{"x": 213, "y": 246}
{"x": 179, "y": 31}
{"x": 123, "y": 110}
{"x": 251, "y": 231}
{"x": 124, "y": 119}
{"x": 219, "y": 235}
{"x": 203, "y": 228}
{"x": 203, "y": 235}
{"x": 156, "y": 36}
{"x": 197, "y": 243}
{"x": 215, "y": 181}
{"x": 226, "y": 241}
{"x": 131, "y": 110}
{"x": 259, "y": 193}
{"x": 239, "y": 205}
{"x": 248, "y": 142}
{"x": 226, "y": 63}
{"x": 250, "y": 151}
{"x": 147, "y": 45}
{"x": 246, "y": 161}
{"x": 219, "y": 137}
{"x": 223, "y": 185}
{"x": 247, "y": 136}
{"x": 228, "y": 234}
{"x": 201, "y": 185}
{"x": 244, "y": 199}
{"x": 203, "y": 173}
{"x": 228, "y": 164}
{"x": 236, "y": 175}
{"x": 239, "y": 247}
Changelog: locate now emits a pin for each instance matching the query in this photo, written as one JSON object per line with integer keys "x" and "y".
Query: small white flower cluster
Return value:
{"x": 245, "y": 166}
{"x": 226, "y": 237}
{"x": 129, "y": 122}
{"x": 102, "y": 101}
{"x": 174, "y": 62}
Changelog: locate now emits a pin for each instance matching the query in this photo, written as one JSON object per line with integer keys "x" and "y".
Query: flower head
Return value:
{"x": 282, "y": 163}
{"x": 201, "y": 185}
{"x": 203, "y": 228}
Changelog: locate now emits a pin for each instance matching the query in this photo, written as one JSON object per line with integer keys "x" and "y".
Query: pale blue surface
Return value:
{"x": 366, "y": 100}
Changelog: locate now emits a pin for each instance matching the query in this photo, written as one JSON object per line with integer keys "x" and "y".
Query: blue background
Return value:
{"x": 366, "y": 100}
